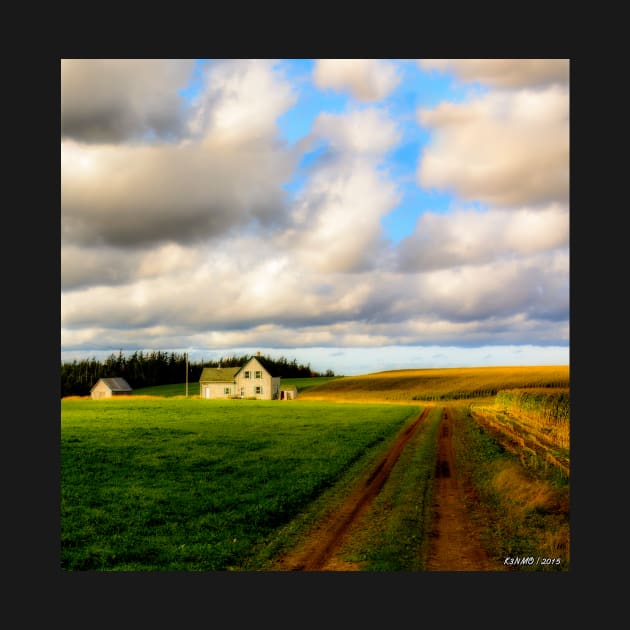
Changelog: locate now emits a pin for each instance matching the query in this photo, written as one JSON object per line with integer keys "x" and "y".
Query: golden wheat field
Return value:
{"x": 439, "y": 384}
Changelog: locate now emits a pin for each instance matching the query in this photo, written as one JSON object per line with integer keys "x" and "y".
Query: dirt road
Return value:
{"x": 318, "y": 554}
{"x": 454, "y": 541}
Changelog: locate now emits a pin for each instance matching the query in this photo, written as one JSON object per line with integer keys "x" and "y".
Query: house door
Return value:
{"x": 206, "y": 392}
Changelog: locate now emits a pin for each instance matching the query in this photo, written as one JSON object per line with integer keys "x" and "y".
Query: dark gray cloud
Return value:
{"x": 134, "y": 196}
{"x": 117, "y": 100}
{"x": 85, "y": 267}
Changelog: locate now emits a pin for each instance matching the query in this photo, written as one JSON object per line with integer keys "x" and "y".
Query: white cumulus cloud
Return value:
{"x": 501, "y": 149}
{"x": 337, "y": 217}
{"x": 472, "y": 237}
{"x": 365, "y": 79}
{"x": 504, "y": 73}
{"x": 367, "y": 131}
{"x": 242, "y": 100}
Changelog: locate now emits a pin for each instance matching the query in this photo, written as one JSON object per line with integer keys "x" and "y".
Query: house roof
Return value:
{"x": 228, "y": 374}
{"x": 272, "y": 369}
{"x": 115, "y": 384}
{"x": 218, "y": 375}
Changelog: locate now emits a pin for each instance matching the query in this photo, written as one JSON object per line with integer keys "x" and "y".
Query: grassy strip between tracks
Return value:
{"x": 394, "y": 533}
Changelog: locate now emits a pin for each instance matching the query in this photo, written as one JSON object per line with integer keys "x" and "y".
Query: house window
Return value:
{"x": 247, "y": 374}
{"x": 258, "y": 389}
{"x": 258, "y": 374}
{"x": 226, "y": 390}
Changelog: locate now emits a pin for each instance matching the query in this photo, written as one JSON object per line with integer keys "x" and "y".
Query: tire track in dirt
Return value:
{"x": 318, "y": 555}
{"x": 455, "y": 544}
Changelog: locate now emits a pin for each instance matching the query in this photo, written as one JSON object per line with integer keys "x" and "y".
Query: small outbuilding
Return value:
{"x": 108, "y": 387}
{"x": 288, "y": 392}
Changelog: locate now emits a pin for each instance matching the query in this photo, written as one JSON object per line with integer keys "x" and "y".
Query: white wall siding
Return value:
{"x": 101, "y": 390}
{"x": 217, "y": 390}
{"x": 258, "y": 377}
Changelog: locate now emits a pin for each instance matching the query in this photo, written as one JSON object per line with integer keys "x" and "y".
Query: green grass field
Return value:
{"x": 191, "y": 485}
{"x": 169, "y": 391}
{"x": 179, "y": 389}
{"x": 159, "y": 482}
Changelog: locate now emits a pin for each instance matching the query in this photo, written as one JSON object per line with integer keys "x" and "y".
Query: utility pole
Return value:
{"x": 187, "y": 375}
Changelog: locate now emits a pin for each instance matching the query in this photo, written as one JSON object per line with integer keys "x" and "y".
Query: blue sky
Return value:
{"x": 354, "y": 214}
{"x": 415, "y": 89}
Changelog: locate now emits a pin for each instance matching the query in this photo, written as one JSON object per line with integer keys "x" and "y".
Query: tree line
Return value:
{"x": 161, "y": 368}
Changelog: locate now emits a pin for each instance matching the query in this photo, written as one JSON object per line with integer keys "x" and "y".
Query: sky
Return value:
{"x": 357, "y": 215}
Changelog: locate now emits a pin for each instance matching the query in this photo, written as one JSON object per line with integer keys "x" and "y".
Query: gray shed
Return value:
{"x": 108, "y": 387}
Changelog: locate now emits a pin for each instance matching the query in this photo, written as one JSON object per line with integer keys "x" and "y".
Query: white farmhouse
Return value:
{"x": 256, "y": 379}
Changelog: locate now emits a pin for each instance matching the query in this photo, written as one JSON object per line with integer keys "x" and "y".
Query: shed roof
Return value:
{"x": 116, "y": 384}
{"x": 218, "y": 375}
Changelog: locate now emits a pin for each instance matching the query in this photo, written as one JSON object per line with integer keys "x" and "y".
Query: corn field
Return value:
{"x": 549, "y": 407}
{"x": 547, "y": 411}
